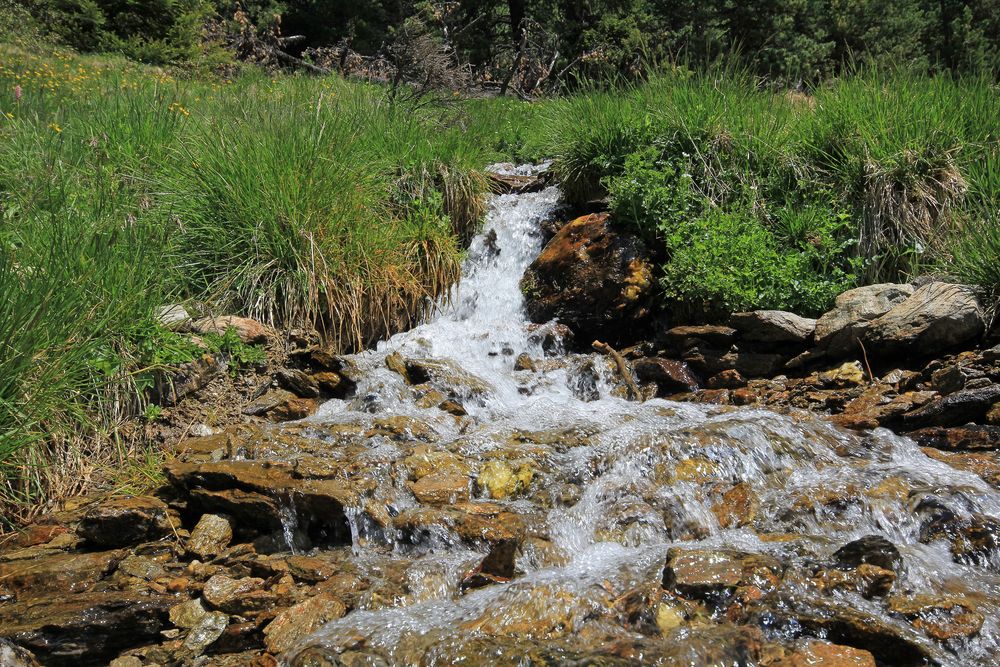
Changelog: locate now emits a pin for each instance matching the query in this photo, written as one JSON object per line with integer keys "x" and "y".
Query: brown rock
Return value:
{"x": 984, "y": 464}
{"x": 865, "y": 579}
{"x": 738, "y": 506}
{"x": 668, "y": 374}
{"x": 329, "y": 382}
{"x": 728, "y": 379}
{"x": 702, "y": 572}
{"x": 88, "y": 628}
{"x": 251, "y": 491}
{"x": 821, "y": 654}
{"x": 441, "y": 488}
{"x": 297, "y": 382}
{"x": 960, "y": 407}
{"x": 249, "y": 331}
{"x": 960, "y": 438}
{"x": 496, "y": 567}
{"x": 210, "y": 537}
{"x": 120, "y": 522}
{"x": 941, "y": 617}
{"x": 592, "y": 277}
{"x": 278, "y": 403}
{"x": 296, "y": 408}
{"x": 301, "y": 620}
{"x": 187, "y": 614}
{"x": 59, "y": 573}
{"x": 39, "y": 533}
{"x": 237, "y": 596}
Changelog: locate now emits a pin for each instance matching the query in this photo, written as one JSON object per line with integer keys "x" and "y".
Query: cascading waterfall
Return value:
{"x": 613, "y": 484}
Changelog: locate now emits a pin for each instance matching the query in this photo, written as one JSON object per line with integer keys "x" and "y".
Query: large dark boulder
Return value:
{"x": 592, "y": 277}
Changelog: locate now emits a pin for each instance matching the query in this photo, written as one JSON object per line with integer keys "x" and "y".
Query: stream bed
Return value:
{"x": 533, "y": 515}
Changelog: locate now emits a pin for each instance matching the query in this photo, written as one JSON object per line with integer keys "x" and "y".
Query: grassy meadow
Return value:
{"x": 318, "y": 202}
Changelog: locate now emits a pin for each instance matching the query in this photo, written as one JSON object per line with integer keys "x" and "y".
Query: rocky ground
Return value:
{"x": 251, "y": 543}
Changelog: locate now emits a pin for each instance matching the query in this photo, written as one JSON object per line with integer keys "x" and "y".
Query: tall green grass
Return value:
{"x": 877, "y": 176}
{"x": 302, "y": 202}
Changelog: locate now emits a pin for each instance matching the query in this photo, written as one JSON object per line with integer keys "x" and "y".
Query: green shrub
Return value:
{"x": 717, "y": 260}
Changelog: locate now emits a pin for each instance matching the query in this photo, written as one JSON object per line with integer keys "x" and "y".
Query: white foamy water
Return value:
{"x": 616, "y": 483}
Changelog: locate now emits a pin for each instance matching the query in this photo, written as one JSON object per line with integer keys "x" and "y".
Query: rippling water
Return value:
{"x": 614, "y": 484}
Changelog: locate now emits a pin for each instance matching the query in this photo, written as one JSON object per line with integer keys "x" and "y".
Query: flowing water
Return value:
{"x": 601, "y": 488}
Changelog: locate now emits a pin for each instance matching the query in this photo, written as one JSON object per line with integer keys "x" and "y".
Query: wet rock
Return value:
{"x": 88, "y": 628}
{"x": 403, "y": 428}
{"x": 425, "y": 460}
{"x": 935, "y": 317}
{"x": 497, "y": 567}
{"x": 249, "y": 331}
{"x": 121, "y": 522}
{"x": 728, "y": 379}
{"x": 867, "y": 580}
{"x": 445, "y": 375}
{"x": 710, "y": 361}
{"x": 501, "y": 480}
{"x": 281, "y": 405}
{"x": 669, "y": 375}
{"x": 187, "y": 614}
{"x": 441, "y": 488}
{"x": 993, "y": 415}
{"x": 12, "y": 655}
{"x": 552, "y": 337}
{"x": 948, "y": 380}
{"x": 394, "y": 362}
{"x": 984, "y": 464}
{"x": 524, "y": 362}
{"x": 712, "y": 645}
{"x": 844, "y": 625}
{"x": 960, "y": 438}
{"x": 702, "y": 573}
{"x": 57, "y": 573}
{"x": 817, "y": 653}
{"x": 301, "y": 620}
{"x": 837, "y": 331}
{"x": 142, "y": 567}
{"x": 846, "y": 375}
{"x": 738, "y": 506}
{"x": 237, "y": 596}
{"x": 252, "y": 493}
{"x": 961, "y": 407}
{"x": 331, "y": 383}
{"x": 977, "y": 542}
{"x": 297, "y": 382}
{"x": 871, "y": 549}
{"x": 942, "y": 617}
{"x": 592, "y": 277}
{"x": 452, "y": 407}
{"x": 205, "y": 631}
{"x": 773, "y": 326}
{"x": 210, "y": 536}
